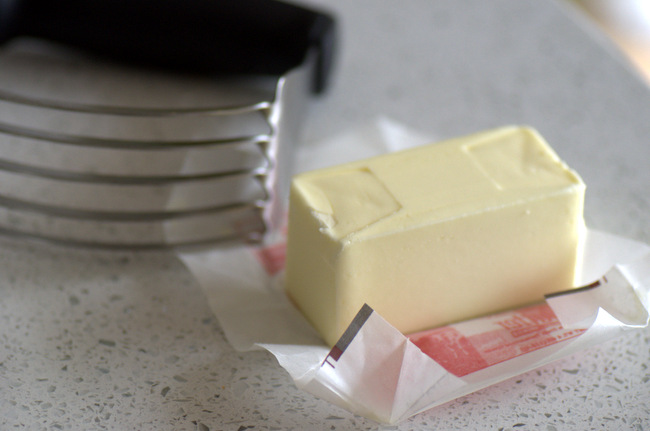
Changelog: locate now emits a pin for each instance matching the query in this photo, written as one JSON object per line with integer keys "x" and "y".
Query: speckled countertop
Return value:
{"x": 126, "y": 341}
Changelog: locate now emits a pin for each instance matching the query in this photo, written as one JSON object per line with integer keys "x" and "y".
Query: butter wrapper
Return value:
{"x": 377, "y": 372}
{"x": 381, "y": 374}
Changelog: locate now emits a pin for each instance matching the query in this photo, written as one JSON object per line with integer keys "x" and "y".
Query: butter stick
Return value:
{"x": 435, "y": 234}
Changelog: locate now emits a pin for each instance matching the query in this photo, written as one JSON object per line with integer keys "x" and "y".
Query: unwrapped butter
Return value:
{"x": 435, "y": 234}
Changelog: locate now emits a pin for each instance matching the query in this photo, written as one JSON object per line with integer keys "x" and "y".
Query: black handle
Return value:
{"x": 207, "y": 36}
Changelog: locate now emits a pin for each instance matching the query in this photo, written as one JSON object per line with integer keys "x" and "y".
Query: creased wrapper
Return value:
{"x": 381, "y": 374}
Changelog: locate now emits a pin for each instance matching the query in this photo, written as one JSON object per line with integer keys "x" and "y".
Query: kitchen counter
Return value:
{"x": 107, "y": 340}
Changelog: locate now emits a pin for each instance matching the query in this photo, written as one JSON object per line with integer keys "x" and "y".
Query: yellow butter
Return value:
{"x": 435, "y": 234}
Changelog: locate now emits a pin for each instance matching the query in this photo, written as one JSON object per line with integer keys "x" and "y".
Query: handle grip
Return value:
{"x": 206, "y": 36}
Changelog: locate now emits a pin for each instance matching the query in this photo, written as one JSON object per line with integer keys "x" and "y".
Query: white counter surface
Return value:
{"x": 126, "y": 341}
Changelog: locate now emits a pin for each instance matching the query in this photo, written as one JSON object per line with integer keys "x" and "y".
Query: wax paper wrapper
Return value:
{"x": 379, "y": 373}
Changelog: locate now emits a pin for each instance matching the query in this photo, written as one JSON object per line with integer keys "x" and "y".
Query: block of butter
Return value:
{"x": 435, "y": 234}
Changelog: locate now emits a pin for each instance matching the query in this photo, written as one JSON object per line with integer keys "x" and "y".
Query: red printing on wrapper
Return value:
{"x": 463, "y": 349}
{"x": 272, "y": 257}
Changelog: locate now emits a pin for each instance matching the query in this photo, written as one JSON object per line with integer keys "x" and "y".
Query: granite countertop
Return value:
{"x": 106, "y": 340}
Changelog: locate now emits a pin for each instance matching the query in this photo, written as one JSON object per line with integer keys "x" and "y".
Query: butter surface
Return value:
{"x": 435, "y": 234}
